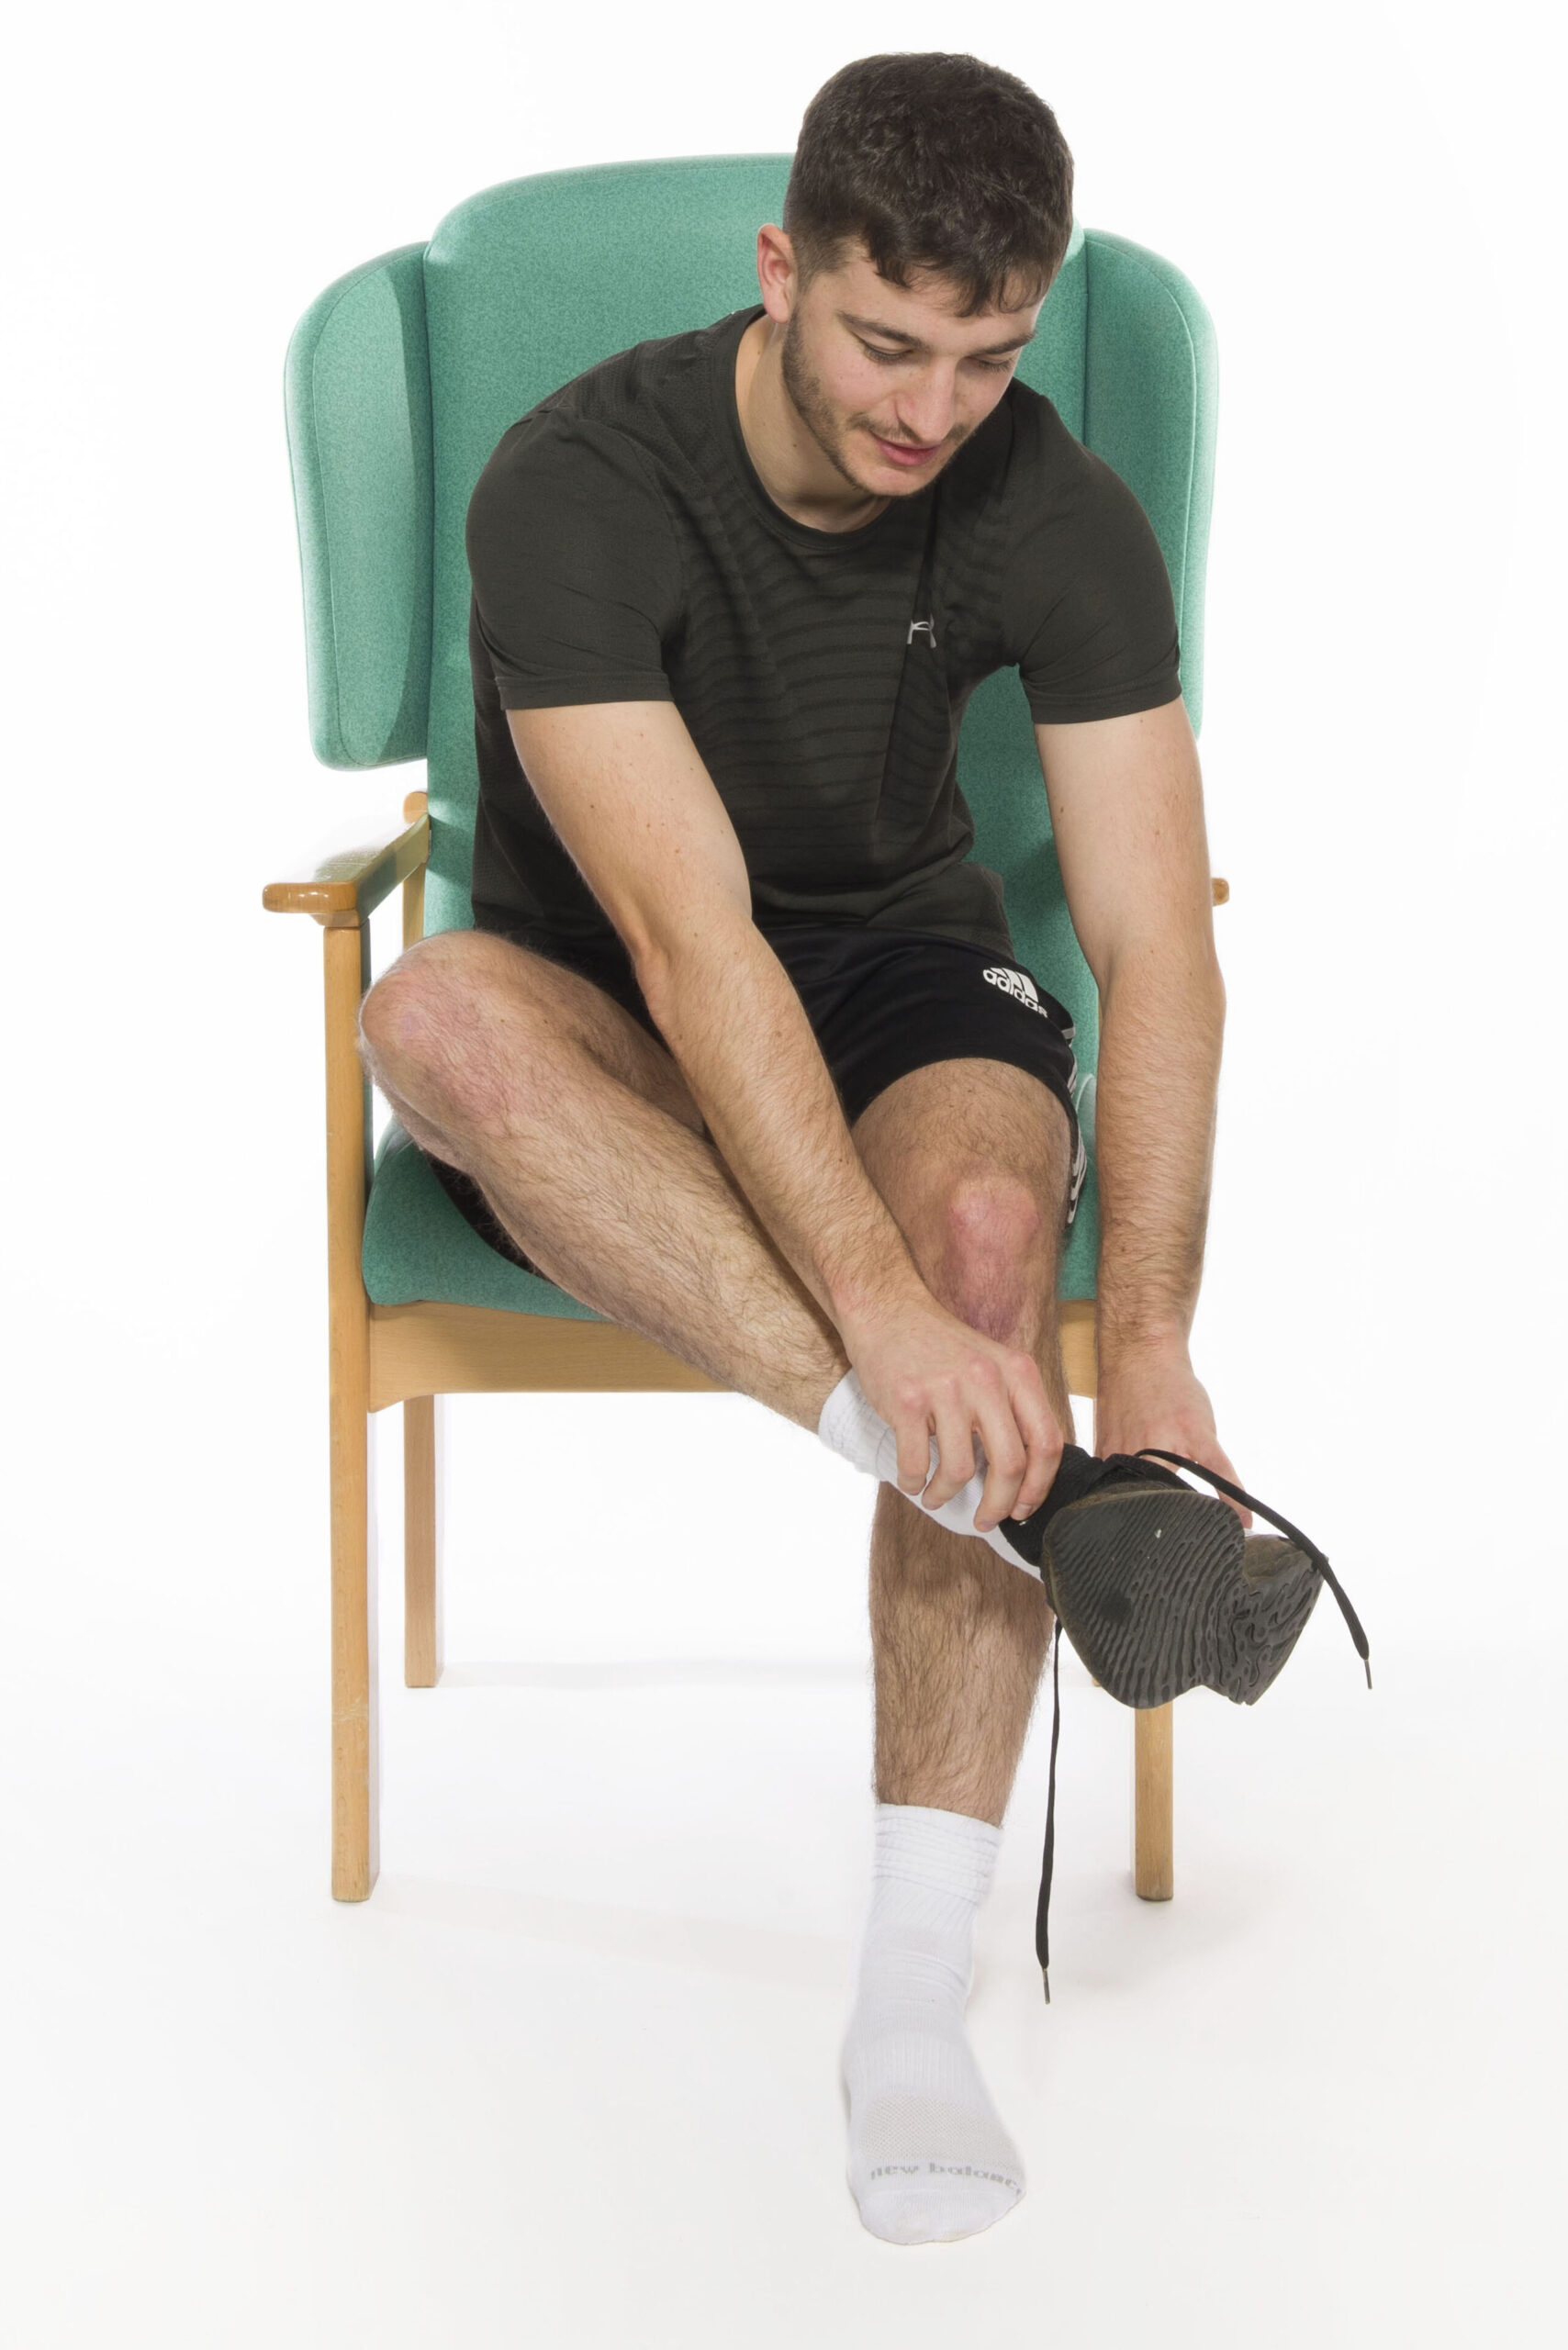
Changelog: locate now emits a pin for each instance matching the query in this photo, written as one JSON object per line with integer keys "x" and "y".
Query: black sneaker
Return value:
{"x": 1160, "y": 1589}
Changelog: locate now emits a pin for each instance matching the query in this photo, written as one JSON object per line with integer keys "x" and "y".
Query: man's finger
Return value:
{"x": 956, "y": 1455}
{"x": 1037, "y": 1427}
{"x": 914, "y": 1453}
{"x": 1006, "y": 1460}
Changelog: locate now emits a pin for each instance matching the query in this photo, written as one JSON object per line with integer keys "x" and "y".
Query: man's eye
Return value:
{"x": 891, "y": 359}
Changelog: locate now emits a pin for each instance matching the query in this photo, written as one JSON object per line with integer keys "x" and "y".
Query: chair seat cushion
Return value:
{"x": 417, "y": 1245}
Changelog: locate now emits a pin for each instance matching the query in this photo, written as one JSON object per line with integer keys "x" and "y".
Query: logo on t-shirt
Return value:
{"x": 1019, "y": 984}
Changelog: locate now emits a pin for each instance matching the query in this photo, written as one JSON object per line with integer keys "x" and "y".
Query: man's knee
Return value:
{"x": 407, "y": 1002}
{"x": 998, "y": 1263}
{"x": 419, "y": 1017}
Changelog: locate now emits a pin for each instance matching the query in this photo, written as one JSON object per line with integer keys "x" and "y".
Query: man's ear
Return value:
{"x": 777, "y": 276}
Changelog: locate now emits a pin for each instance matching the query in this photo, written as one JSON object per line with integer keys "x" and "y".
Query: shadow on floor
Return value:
{"x": 667, "y": 1673}
{"x": 713, "y": 1945}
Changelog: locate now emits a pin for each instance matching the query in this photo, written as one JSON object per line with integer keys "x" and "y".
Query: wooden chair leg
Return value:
{"x": 353, "y": 1623}
{"x": 353, "y": 1657}
{"x": 421, "y": 1618}
{"x": 1153, "y": 1857}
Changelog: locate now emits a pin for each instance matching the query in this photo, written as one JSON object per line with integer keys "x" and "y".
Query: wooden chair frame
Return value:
{"x": 382, "y": 1354}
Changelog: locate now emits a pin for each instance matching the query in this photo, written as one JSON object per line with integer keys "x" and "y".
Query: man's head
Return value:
{"x": 928, "y": 209}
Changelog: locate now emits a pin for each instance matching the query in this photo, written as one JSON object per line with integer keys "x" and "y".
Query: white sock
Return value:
{"x": 928, "y": 2159}
{"x": 851, "y": 1425}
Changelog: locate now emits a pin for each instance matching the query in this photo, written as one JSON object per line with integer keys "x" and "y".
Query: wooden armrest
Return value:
{"x": 346, "y": 887}
{"x": 1221, "y": 890}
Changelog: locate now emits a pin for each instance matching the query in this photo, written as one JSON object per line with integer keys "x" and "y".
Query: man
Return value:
{"x": 738, "y": 1052}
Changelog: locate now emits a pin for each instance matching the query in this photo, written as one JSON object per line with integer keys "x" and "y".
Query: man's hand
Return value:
{"x": 1151, "y": 1395}
{"x": 926, "y": 1372}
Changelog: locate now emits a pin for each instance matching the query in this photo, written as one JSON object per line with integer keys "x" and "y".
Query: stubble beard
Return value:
{"x": 816, "y": 412}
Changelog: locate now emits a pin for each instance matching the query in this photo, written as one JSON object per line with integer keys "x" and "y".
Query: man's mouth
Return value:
{"x": 901, "y": 453}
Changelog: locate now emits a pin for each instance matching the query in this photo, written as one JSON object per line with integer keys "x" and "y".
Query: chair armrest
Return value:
{"x": 347, "y": 886}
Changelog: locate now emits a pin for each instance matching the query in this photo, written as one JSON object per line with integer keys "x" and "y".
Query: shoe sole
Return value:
{"x": 1161, "y": 1591}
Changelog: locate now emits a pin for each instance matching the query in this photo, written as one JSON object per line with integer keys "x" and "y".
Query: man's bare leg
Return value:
{"x": 959, "y": 1640}
{"x": 580, "y": 1131}
{"x": 959, "y": 1636}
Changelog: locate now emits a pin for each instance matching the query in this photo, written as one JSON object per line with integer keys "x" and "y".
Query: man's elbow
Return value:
{"x": 671, "y": 945}
{"x": 1205, "y": 987}
{"x": 1166, "y": 959}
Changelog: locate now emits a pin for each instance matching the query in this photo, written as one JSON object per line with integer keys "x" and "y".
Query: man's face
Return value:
{"x": 889, "y": 380}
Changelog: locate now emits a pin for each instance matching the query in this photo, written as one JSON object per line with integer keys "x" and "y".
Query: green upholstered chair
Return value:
{"x": 400, "y": 380}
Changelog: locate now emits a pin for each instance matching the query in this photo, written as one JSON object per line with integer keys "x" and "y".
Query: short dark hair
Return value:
{"x": 932, "y": 162}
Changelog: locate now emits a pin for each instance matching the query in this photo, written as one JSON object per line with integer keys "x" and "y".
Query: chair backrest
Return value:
{"x": 402, "y": 377}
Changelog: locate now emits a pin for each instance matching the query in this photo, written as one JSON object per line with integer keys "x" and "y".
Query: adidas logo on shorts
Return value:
{"x": 1019, "y": 984}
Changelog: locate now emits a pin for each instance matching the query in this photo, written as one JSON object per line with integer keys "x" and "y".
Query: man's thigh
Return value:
{"x": 974, "y": 1160}
{"x": 501, "y": 991}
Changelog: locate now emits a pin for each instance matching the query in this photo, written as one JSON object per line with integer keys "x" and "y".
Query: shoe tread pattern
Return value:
{"x": 1159, "y": 1592}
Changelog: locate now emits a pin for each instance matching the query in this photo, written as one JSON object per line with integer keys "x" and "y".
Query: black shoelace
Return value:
{"x": 1304, "y": 1543}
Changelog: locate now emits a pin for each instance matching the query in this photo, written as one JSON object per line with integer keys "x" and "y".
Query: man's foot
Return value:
{"x": 1159, "y": 1588}
{"x": 928, "y": 2159}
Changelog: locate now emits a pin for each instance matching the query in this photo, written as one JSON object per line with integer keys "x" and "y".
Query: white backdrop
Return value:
{"x": 1361, "y": 194}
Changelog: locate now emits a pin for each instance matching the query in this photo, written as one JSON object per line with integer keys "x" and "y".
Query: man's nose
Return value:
{"x": 925, "y": 429}
{"x": 925, "y": 416}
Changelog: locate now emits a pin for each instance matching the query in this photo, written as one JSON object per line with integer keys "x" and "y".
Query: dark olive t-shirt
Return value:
{"x": 623, "y": 549}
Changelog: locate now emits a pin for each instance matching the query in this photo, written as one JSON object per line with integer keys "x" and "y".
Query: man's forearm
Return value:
{"x": 1162, "y": 1021}
{"x": 731, "y": 1017}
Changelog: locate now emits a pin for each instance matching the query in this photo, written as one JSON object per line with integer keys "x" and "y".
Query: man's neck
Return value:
{"x": 791, "y": 467}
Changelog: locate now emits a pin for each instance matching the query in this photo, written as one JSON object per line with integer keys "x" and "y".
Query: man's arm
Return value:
{"x": 1127, "y": 806}
{"x": 627, "y": 793}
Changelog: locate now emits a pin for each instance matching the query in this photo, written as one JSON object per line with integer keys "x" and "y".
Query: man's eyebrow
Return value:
{"x": 897, "y": 334}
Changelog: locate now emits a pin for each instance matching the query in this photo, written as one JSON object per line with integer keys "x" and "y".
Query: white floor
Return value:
{"x": 569, "y": 2077}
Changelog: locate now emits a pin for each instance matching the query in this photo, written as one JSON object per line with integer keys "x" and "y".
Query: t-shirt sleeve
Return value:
{"x": 1086, "y": 603}
{"x": 575, "y": 570}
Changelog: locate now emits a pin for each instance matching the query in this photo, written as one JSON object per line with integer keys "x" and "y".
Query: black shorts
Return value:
{"x": 881, "y": 1003}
